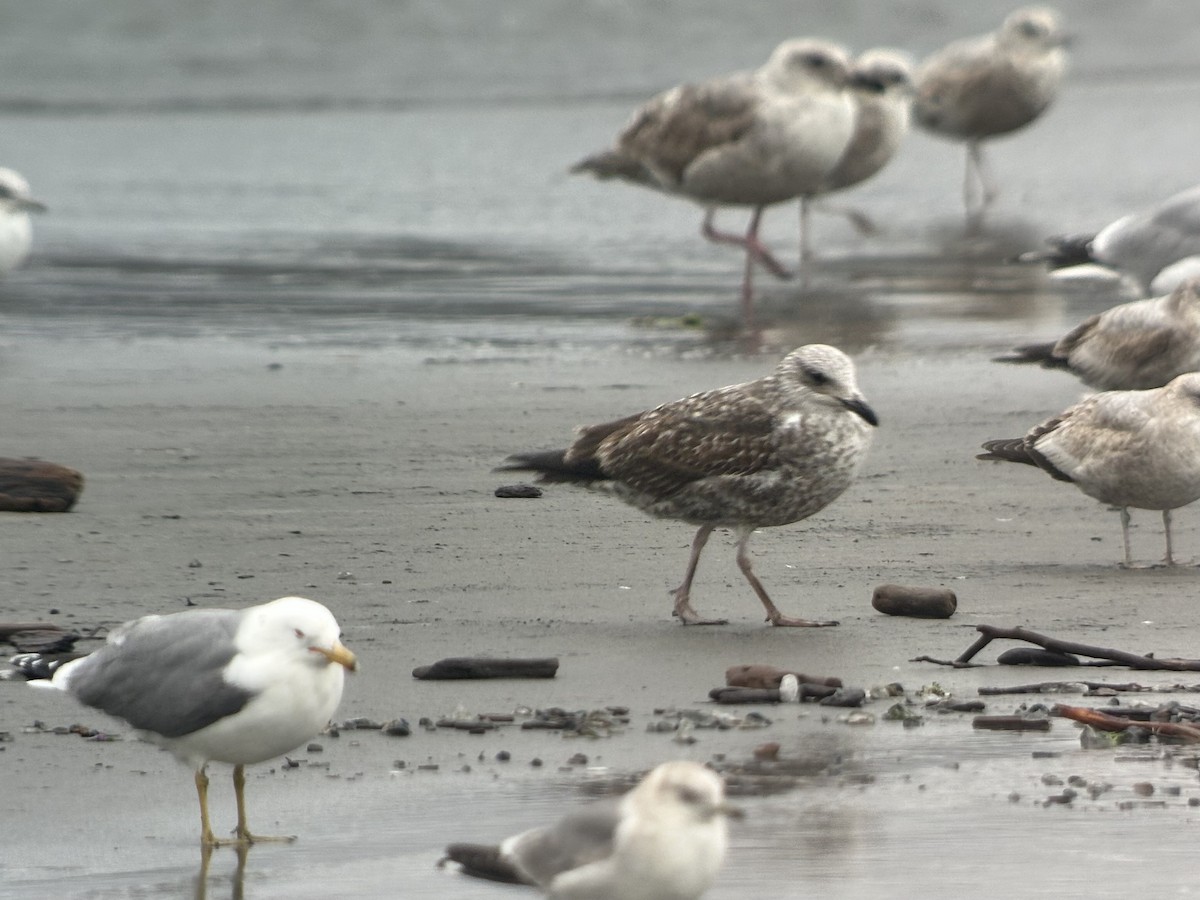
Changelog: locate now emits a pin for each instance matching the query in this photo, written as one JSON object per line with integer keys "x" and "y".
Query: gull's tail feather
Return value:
{"x": 553, "y": 465}
{"x": 1042, "y": 354}
{"x": 482, "y": 861}
{"x": 1063, "y": 250}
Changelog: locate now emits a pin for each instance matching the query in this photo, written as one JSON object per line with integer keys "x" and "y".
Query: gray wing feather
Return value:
{"x": 583, "y": 837}
{"x": 163, "y": 674}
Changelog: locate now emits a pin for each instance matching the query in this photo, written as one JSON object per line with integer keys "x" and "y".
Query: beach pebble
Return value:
{"x": 918, "y": 602}
{"x": 396, "y": 728}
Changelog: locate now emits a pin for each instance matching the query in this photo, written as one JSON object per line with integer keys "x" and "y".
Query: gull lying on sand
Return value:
{"x": 982, "y": 87}
{"x": 1155, "y": 249}
{"x": 236, "y": 686}
{"x": 1130, "y": 347}
{"x": 1129, "y": 449}
{"x": 764, "y": 453}
{"x": 664, "y": 840}
{"x": 16, "y": 233}
{"x": 749, "y": 139}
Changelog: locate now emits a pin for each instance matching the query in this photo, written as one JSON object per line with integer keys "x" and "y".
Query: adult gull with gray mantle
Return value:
{"x": 749, "y": 139}
{"x": 1129, "y": 449}
{"x": 754, "y": 455}
{"x": 664, "y": 840}
{"x": 982, "y": 87}
{"x": 237, "y": 686}
{"x": 1152, "y": 250}
{"x": 1129, "y": 347}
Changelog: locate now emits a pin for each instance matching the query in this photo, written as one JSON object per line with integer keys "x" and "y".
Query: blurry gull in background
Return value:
{"x": 882, "y": 87}
{"x": 664, "y": 840}
{"x": 749, "y": 139}
{"x": 1133, "y": 346}
{"x": 1138, "y": 449}
{"x": 219, "y": 685}
{"x": 16, "y": 233}
{"x": 1156, "y": 248}
{"x": 765, "y": 453}
{"x": 982, "y": 87}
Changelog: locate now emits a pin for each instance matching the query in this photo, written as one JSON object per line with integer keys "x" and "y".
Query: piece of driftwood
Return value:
{"x": 764, "y": 676}
{"x": 736, "y": 694}
{"x": 916, "y": 602}
{"x": 37, "y": 637}
{"x": 33, "y": 485}
{"x": 487, "y": 667}
{"x": 1107, "y": 722}
{"x": 1010, "y": 723}
{"x": 1059, "y": 687}
{"x": 1105, "y": 656}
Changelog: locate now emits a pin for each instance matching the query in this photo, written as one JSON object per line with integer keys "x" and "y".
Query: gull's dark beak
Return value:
{"x": 861, "y": 408}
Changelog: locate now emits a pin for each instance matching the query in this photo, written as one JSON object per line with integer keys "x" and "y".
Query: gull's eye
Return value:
{"x": 1032, "y": 29}
{"x": 690, "y": 795}
{"x": 299, "y": 633}
{"x": 816, "y": 376}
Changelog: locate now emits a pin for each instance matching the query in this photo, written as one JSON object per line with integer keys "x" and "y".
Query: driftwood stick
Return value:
{"x": 1054, "y": 687}
{"x": 1133, "y": 660}
{"x": 1106, "y": 722}
{"x": 487, "y": 667}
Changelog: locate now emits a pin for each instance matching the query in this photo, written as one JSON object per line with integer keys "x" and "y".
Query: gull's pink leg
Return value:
{"x": 750, "y": 243}
{"x": 774, "y": 616}
{"x": 683, "y": 606}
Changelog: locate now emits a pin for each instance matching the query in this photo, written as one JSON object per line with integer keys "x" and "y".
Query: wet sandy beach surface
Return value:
{"x": 287, "y": 346}
{"x": 236, "y": 471}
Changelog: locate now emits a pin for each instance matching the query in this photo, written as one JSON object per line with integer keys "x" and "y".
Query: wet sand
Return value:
{"x": 228, "y": 472}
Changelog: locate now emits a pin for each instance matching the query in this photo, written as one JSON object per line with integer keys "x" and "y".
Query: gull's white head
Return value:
{"x": 883, "y": 71}
{"x": 826, "y": 375}
{"x": 15, "y": 195}
{"x": 297, "y": 627}
{"x": 1038, "y": 28}
{"x": 685, "y": 791}
{"x": 805, "y": 63}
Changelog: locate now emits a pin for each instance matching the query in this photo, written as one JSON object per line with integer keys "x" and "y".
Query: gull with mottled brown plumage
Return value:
{"x": 1129, "y": 449}
{"x": 764, "y": 453}
{"x": 1129, "y": 347}
{"x": 749, "y": 139}
{"x": 982, "y": 87}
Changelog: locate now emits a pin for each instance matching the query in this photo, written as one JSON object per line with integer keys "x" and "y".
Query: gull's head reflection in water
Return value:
{"x": 236, "y": 878}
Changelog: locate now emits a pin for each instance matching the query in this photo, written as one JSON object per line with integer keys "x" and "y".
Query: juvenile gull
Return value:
{"x": 982, "y": 87}
{"x": 749, "y": 139}
{"x": 881, "y": 84}
{"x": 664, "y": 840}
{"x": 1129, "y": 449}
{"x": 236, "y": 686}
{"x": 1155, "y": 248}
{"x": 16, "y": 233}
{"x": 764, "y": 453}
{"x": 1133, "y": 346}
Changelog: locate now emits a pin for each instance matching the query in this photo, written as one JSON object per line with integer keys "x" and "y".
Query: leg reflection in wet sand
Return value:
{"x": 237, "y": 879}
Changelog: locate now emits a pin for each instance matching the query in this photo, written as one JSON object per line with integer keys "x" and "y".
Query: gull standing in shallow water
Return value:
{"x": 16, "y": 233}
{"x": 219, "y": 685}
{"x": 1130, "y": 347}
{"x": 1138, "y": 449}
{"x": 982, "y": 87}
{"x": 664, "y": 840}
{"x": 750, "y": 139}
{"x": 1156, "y": 248}
{"x": 765, "y": 453}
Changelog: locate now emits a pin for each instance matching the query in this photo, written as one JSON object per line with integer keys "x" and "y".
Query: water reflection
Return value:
{"x": 237, "y": 878}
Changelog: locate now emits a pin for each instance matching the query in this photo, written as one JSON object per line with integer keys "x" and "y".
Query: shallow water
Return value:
{"x": 392, "y": 178}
